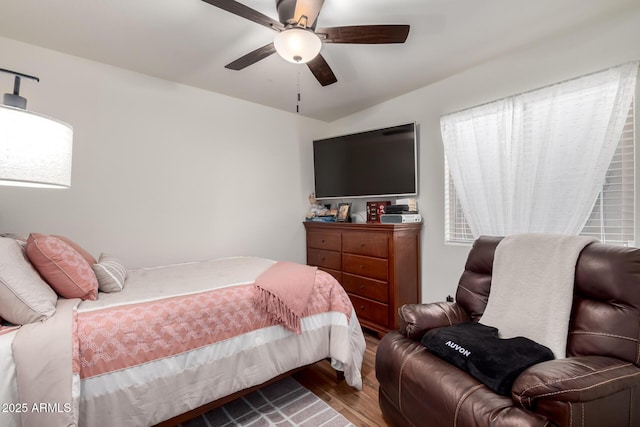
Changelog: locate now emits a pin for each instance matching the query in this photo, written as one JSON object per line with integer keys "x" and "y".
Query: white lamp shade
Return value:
{"x": 35, "y": 150}
{"x": 297, "y": 45}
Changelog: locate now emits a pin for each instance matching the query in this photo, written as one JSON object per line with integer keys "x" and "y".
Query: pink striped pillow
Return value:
{"x": 64, "y": 268}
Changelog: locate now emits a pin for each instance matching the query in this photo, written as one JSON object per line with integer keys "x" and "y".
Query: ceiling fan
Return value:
{"x": 299, "y": 41}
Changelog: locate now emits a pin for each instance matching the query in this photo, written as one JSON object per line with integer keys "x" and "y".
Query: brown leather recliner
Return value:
{"x": 598, "y": 384}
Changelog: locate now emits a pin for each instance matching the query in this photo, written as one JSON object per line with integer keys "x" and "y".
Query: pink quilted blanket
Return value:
{"x": 120, "y": 337}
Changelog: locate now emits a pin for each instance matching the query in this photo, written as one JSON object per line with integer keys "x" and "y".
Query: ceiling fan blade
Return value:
{"x": 252, "y": 57}
{"x": 246, "y": 12}
{"x": 321, "y": 71}
{"x": 310, "y": 9}
{"x": 365, "y": 34}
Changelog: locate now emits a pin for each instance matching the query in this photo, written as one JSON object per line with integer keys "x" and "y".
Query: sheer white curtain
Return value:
{"x": 535, "y": 162}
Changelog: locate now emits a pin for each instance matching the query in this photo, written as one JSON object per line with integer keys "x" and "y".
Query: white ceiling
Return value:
{"x": 190, "y": 41}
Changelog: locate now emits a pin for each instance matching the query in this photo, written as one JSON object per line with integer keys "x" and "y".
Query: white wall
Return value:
{"x": 608, "y": 43}
{"x": 162, "y": 172}
{"x": 167, "y": 173}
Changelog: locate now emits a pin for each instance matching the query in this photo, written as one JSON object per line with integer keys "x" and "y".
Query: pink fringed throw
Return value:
{"x": 284, "y": 290}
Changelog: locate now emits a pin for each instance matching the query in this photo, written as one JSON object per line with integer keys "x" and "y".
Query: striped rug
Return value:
{"x": 285, "y": 403}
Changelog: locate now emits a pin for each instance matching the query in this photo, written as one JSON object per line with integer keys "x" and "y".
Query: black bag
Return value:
{"x": 478, "y": 350}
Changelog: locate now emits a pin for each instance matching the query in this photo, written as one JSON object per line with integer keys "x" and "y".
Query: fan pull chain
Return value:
{"x": 298, "y": 104}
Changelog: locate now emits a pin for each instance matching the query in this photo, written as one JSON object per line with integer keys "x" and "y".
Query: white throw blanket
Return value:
{"x": 532, "y": 288}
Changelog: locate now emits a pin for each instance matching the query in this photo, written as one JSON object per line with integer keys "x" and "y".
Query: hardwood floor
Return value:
{"x": 359, "y": 407}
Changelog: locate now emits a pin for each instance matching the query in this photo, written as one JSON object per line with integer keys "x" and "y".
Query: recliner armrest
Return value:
{"x": 574, "y": 379}
{"x": 416, "y": 319}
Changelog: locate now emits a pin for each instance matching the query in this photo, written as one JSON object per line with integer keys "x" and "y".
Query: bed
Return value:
{"x": 171, "y": 340}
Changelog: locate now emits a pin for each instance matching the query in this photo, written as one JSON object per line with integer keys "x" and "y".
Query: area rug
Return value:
{"x": 285, "y": 403}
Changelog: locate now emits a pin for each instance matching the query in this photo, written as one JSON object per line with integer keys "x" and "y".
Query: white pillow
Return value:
{"x": 110, "y": 273}
{"x": 24, "y": 296}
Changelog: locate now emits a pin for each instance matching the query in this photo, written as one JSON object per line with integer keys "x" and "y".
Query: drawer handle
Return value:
{"x": 322, "y": 240}
{"x": 322, "y": 259}
{"x": 361, "y": 286}
{"x": 362, "y": 307}
{"x": 361, "y": 266}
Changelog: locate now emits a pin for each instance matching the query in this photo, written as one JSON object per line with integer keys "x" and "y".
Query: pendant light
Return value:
{"x": 35, "y": 150}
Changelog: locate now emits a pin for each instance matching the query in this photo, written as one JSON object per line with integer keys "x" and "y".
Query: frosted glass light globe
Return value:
{"x": 297, "y": 45}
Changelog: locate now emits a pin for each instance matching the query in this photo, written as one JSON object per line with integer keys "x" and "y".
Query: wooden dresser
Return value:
{"x": 377, "y": 264}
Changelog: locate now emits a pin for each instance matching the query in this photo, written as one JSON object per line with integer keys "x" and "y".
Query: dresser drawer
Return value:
{"x": 326, "y": 259}
{"x": 370, "y": 310}
{"x": 375, "y": 268}
{"x": 370, "y": 288}
{"x": 328, "y": 240}
{"x": 369, "y": 244}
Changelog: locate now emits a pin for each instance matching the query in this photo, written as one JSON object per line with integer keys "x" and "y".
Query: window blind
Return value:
{"x": 612, "y": 219}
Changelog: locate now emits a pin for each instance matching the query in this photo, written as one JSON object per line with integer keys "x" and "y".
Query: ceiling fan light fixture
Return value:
{"x": 297, "y": 45}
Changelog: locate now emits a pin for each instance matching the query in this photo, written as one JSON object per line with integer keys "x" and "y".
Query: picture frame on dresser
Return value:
{"x": 344, "y": 212}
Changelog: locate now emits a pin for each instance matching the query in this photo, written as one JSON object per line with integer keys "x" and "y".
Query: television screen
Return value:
{"x": 380, "y": 162}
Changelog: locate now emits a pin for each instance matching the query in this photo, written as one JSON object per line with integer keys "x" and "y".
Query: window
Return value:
{"x": 612, "y": 219}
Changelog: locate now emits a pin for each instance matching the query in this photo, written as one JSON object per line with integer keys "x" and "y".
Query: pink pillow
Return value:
{"x": 64, "y": 268}
{"x": 86, "y": 255}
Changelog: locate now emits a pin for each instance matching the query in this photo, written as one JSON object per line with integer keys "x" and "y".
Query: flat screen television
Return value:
{"x": 375, "y": 163}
